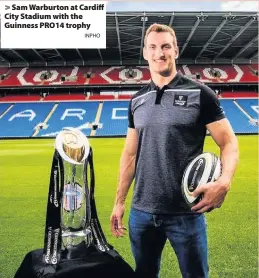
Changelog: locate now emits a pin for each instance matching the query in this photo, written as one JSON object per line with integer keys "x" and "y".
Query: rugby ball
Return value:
{"x": 203, "y": 169}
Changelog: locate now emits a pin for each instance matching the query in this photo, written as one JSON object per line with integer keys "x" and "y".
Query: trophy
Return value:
{"x": 74, "y": 242}
{"x": 68, "y": 219}
{"x": 73, "y": 147}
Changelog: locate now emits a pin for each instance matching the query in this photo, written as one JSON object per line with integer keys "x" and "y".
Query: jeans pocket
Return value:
{"x": 194, "y": 223}
{"x": 139, "y": 218}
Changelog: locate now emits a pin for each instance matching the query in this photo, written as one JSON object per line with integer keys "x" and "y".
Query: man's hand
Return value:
{"x": 117, "y": 228}
{"x": 214, "y": 194}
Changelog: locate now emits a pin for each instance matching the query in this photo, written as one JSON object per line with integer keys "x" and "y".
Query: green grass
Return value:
{"x": 24, "y": 179}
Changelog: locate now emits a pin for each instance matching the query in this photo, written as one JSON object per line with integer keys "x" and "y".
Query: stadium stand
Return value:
{"x": 71, "y": 114}
{"x": 101, "y": 97}
{"x": 250, "y": 106}
{"x": 42, "y": 91}
{"x": 4, "y": 107}
{"x": 67, "y": 97}
{"x": 124, "y": 96}
{"x": 114, "y": 119}
{"x": 110, "y": 117}
{"x": 22, "y": 118}
{"x": 20, "y": 98}
{"x": 45, "y": 114}
{"x": 119, "y": 75}
{"x": 243, "y": 94}
{"x": 238, "y": 119}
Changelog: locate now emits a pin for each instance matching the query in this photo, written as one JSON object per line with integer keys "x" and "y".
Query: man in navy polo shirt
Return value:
{"x": 168, "y": 120}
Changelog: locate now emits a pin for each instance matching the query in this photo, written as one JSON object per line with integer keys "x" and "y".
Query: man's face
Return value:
{"x": 160, "y": 52}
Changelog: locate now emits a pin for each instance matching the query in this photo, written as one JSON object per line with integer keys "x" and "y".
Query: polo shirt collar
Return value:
{"x": 170, "y": 85}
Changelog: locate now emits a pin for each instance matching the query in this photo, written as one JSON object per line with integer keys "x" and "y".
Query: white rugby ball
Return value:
{"x": 203, "y": 169}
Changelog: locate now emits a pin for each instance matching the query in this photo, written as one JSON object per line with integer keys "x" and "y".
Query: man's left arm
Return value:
{"x": 215, "y": 192}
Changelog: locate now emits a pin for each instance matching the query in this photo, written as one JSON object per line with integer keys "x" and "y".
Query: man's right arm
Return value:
{"x": 126, "y": 176}
{"x": 127, "y": 165}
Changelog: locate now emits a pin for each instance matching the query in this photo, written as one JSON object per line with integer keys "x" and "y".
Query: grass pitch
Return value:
{"x": 24, "y": 179}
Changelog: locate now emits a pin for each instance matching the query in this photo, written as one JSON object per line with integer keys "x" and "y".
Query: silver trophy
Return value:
{"x": 73, "y": 147}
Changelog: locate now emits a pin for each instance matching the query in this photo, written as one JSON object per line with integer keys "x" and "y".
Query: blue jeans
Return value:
{"x": 186, "y": 233}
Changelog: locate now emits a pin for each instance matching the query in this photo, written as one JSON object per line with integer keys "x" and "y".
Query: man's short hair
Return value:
{"x": 160, "y": 28}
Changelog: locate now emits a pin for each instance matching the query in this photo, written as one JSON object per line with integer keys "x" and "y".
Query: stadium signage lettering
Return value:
{"x": 24, "y": 114}
{"x": 255, "y": 108}
{"x": 75, "y": 112}
{"x": 116, "y": 117}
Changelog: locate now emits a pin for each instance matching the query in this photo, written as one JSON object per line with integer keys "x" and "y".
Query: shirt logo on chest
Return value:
{"x": 180, "y": 100}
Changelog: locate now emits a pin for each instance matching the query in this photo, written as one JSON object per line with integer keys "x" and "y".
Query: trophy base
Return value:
{"x": 72, "y": 239}
{"x": 79, "y": 251}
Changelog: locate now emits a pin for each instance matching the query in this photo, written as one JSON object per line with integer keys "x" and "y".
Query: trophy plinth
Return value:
{"x": 73, "y": 147}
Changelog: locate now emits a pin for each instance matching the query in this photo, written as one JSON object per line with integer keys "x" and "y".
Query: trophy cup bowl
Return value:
{"x": 72, "y": 145}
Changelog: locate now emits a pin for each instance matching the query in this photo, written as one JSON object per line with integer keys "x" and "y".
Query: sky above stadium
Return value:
{"x": 116, "y": 6}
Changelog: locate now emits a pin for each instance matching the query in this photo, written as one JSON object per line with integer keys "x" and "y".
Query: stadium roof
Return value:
{"x": 203, "y": 37}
